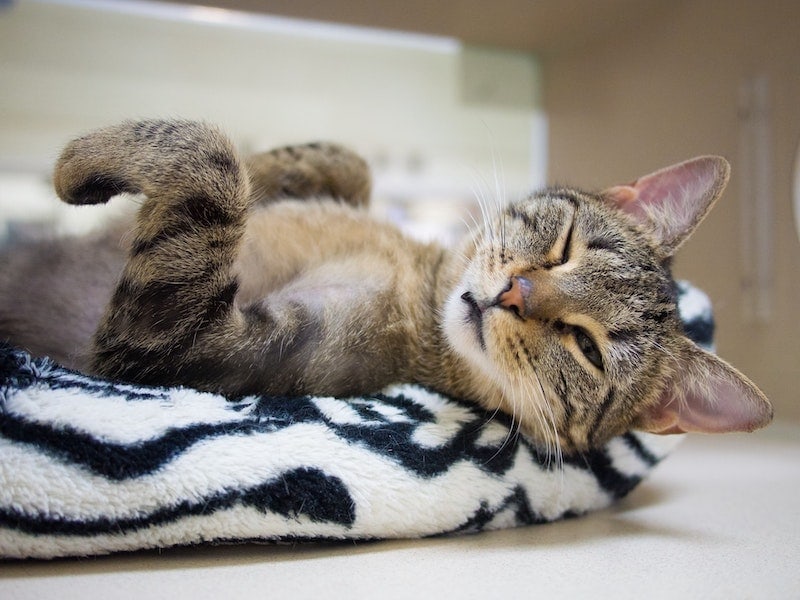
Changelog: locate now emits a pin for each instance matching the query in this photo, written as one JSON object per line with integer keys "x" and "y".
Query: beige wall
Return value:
{"x": 668, "y": 91}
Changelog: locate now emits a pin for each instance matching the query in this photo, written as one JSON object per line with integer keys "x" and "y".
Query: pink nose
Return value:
{"x": 514, "y": 297}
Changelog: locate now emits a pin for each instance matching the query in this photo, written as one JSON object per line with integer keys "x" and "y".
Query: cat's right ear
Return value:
{"x": 706, "y": 395}
{"x": 674, "y": 200}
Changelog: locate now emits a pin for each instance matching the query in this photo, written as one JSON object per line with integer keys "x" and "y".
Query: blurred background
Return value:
{"x": 451, "y": 102}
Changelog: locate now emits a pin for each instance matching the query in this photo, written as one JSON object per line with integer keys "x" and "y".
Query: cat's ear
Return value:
{"x": 706, "y": 395}
{"x": 673, "y": 200}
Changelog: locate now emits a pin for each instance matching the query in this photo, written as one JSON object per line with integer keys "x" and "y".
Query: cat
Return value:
{"x": 268, "y": 276}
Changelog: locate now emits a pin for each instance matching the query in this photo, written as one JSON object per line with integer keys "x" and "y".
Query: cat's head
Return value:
{"x": 567, "y": 309}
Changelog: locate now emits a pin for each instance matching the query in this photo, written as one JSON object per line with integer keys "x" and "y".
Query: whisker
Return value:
{"x": 479, "y": 186}
{"x": 516, "y": 422}
{"x": 556, "y": 449}
{"x": 475, "y": 227}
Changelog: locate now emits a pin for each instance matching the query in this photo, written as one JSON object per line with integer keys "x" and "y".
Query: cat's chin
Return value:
{"x": 463, "y": 330}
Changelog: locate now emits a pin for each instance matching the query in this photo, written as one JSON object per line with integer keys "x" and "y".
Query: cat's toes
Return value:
{"x": 81, "y": 177}
{"x": 97, "y": 188}
{"x": 311, "y": 171}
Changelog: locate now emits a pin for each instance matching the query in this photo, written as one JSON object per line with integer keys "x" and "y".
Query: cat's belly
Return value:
{"x": 352, "y": 333}
{"x": 290, "y": 239}
{"x": 340, "y": 288}
{"x": 357, "y": 289}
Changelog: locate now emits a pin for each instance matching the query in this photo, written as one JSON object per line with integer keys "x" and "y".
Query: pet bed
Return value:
{"x": 90, "y": 467}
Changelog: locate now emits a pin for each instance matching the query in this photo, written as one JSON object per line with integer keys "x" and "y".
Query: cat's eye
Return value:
{"x": 588, "y": 347}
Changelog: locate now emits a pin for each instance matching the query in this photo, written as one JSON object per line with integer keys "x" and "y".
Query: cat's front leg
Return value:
{"x": 177, "y": 289}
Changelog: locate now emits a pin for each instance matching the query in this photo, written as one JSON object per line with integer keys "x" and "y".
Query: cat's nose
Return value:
{"x": 516, "y": 296}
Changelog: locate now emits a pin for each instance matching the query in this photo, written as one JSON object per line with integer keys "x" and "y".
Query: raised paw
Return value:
{"x": 316, "y": 170}
{"x": 87, "y": 170}
{"x": 169, "y": 159}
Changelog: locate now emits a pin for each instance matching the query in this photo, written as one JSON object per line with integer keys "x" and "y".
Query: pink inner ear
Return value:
{"x": 673, "y": 200}
{"x": 689, "y": 182}
{"x": 707, "y": 396}
{"x": 722, "y": 411}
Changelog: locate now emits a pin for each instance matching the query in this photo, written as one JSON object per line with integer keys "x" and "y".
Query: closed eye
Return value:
{"x": 567, "y": 251}
{"x": 560, "y": 256}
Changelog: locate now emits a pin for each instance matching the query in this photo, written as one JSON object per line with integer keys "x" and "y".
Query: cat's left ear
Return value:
{"x": 706, "y": 395}
{"x": 673, "y": 200}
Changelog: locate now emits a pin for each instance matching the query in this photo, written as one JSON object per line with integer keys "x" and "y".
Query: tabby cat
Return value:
{"x": 268, "y": 276}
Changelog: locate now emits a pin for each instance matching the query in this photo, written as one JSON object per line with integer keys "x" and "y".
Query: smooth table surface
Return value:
{"x": 720, "y": 518}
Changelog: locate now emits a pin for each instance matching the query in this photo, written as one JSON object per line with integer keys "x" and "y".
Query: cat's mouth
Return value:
{"x": 474, "y": 316}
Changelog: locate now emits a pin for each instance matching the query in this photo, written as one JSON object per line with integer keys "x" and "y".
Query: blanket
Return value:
{"x": 92, "y": 467}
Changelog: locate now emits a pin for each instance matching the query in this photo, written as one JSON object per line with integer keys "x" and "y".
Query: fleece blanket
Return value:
{"x": 91, "y": 467}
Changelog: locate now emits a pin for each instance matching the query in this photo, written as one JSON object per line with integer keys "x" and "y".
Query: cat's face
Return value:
{"x": 567, "y": 309}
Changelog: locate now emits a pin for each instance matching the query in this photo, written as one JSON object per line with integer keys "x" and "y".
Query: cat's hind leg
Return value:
{"x": 318, "y": 170}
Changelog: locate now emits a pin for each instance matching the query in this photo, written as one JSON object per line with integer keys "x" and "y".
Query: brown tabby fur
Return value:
{"x": 267, "y": 276}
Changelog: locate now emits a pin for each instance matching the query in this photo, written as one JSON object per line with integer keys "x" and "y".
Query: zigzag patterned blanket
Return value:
{"x": 92, "y": 467}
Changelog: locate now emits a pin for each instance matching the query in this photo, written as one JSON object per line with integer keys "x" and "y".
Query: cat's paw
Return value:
{"x": 83, "y": 174}
{"x": 318, "y": 170}
{"x": 172, "y": 160}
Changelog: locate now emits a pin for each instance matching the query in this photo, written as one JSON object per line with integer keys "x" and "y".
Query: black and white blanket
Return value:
{"x": 91, "y": 467}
